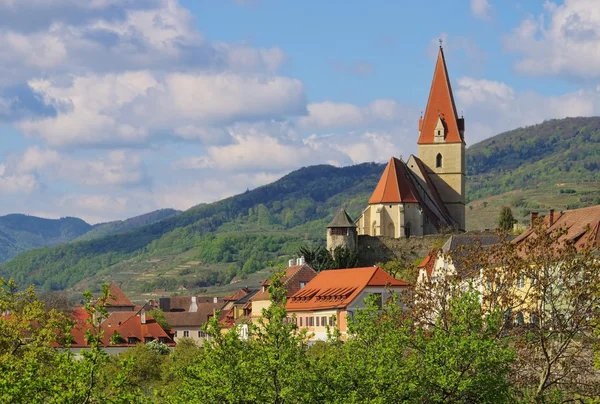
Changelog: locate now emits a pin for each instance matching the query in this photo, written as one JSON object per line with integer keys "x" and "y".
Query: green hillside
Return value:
{"x": 120, "y": 226}
{"x": 551, "y": 165}
{"x": 244, "y": 233}
{"x": 20, "y": 233}
{"x": 550, "y": 153}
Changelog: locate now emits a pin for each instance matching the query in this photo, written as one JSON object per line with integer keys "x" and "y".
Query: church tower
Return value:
{"x": 441, "y": 145}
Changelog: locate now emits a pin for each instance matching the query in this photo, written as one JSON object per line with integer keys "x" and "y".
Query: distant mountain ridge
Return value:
{"x": 20, "y": 233}
{"x": 120, "y": 226}
{"x": 211, "y": 244}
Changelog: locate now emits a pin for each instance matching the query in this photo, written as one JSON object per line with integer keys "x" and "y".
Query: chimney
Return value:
{"x": 143, "y": 316}
{"x": 165, "y": 304}
{"x": 551, "y": 217}
{"x": 215, "y": 300}
{"x": 532, "y": 219}
{"x": 291, "y": 262}
{"x": 193, "y": 306}
{"x": 301, "y": 261}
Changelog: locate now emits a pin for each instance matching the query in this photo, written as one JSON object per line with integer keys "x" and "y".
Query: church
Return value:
{"x": 426, "y": 193}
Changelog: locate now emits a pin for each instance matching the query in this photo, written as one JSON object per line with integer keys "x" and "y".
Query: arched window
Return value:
{"x": 438, "y": 160}
{"x": 407, "y": 230}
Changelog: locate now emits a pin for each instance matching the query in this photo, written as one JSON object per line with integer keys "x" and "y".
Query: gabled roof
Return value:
{"x": 342, "y": 219}
{"x": 440, "y": 105}
{"x": 117, "y": 298}
{"x": 291, "y": 281}
{"x": 337, "y": 288}
{"x": 582, "y": 225}
{"x": 237, "y": 295}
{"x": 394, "y": 186}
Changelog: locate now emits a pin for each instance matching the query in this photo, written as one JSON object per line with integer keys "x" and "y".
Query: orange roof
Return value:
{"x": 428, "y": 262}
{"x": 394, "y": 186}
{"x": 440, "y": 105}
{"x": 116, "y": 297}
{"x": 583, "y": 227}
{"x": 337, "y": 288}
{"x": 237, "y": 295}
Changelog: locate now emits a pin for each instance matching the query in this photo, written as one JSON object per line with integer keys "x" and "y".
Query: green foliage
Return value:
{"x": 461, "y": 359}
{"x": 401, "y": 268}
{"x": 319, "y": 258}
{"x": 506, "y": 219}
{"x": 32, "y": 370}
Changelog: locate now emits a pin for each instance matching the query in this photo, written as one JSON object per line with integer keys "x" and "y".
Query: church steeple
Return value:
{"x": 441, "y": 108}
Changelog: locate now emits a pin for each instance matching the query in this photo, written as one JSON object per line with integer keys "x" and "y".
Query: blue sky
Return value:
{"x": 113, "y": 108}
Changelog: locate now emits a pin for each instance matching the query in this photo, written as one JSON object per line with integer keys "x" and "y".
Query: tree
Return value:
{"x": 547, "y": 288}
{"x": 319, "y": 258}
{"x": 460, "y": 359}
{"x": 506, "y": 219}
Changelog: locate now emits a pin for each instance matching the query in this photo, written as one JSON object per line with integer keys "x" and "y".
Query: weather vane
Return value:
{"x": 441, "y": 42}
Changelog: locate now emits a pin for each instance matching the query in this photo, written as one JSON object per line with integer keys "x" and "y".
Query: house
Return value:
{"x": 438, "y": 263}
{"x": 187, "y": 315}
{"x": 297, "y": 276}
{"x": 582, "y": 226}
{"x": 237, "y": 309}
{"x": 332, "y": 296}
{"x": 125, "y": 325}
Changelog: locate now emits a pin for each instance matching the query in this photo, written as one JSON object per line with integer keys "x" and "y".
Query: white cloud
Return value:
{"x": 13, "y": 183}
{"x": 481, "y": 9}
{"x": 565, "y": 40}
{"x": 129, "y": 107}
{"x": 331, "y": 115}
{"x": 116, "y": 168}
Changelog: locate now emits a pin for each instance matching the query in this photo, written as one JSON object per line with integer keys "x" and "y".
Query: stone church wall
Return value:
{"x": 372, "y": 250}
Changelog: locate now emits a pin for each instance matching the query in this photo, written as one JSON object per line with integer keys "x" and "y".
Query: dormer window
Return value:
{"x": 439, "y": 131}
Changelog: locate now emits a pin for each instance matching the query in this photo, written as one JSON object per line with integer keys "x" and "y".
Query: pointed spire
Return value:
{"x": 394, "y": 186}
{"x": 342, "y": 219}
{"x": 440, "y": 105}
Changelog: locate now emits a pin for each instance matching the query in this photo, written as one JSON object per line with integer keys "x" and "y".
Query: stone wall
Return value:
{"x": 372, "y": 250}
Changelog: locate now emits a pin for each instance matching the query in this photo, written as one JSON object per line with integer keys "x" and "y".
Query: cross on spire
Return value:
{"x": 441, "y": 42}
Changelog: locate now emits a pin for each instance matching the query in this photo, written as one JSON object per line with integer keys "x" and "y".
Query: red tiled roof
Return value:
{"x": 131, "y": 327}
{"x": 394, "y": 186}
{"x": 116, "y": 318}
{"x": 117, "y": 297}
{"x": 291, "y": 281}
{"x": 582, "y": 225}
{"x": 237, "y": 295}
{"x": 338, "y": 288}
{"x": 440, "y": 105}
{"x": 428, "y": 263}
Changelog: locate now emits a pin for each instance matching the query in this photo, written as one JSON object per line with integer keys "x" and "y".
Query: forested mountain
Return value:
{"x": 213, "y": 243}
{"x": 247, "y": 230}
{"x": 19, "y": 233}
{"x": 120, "y": 226}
